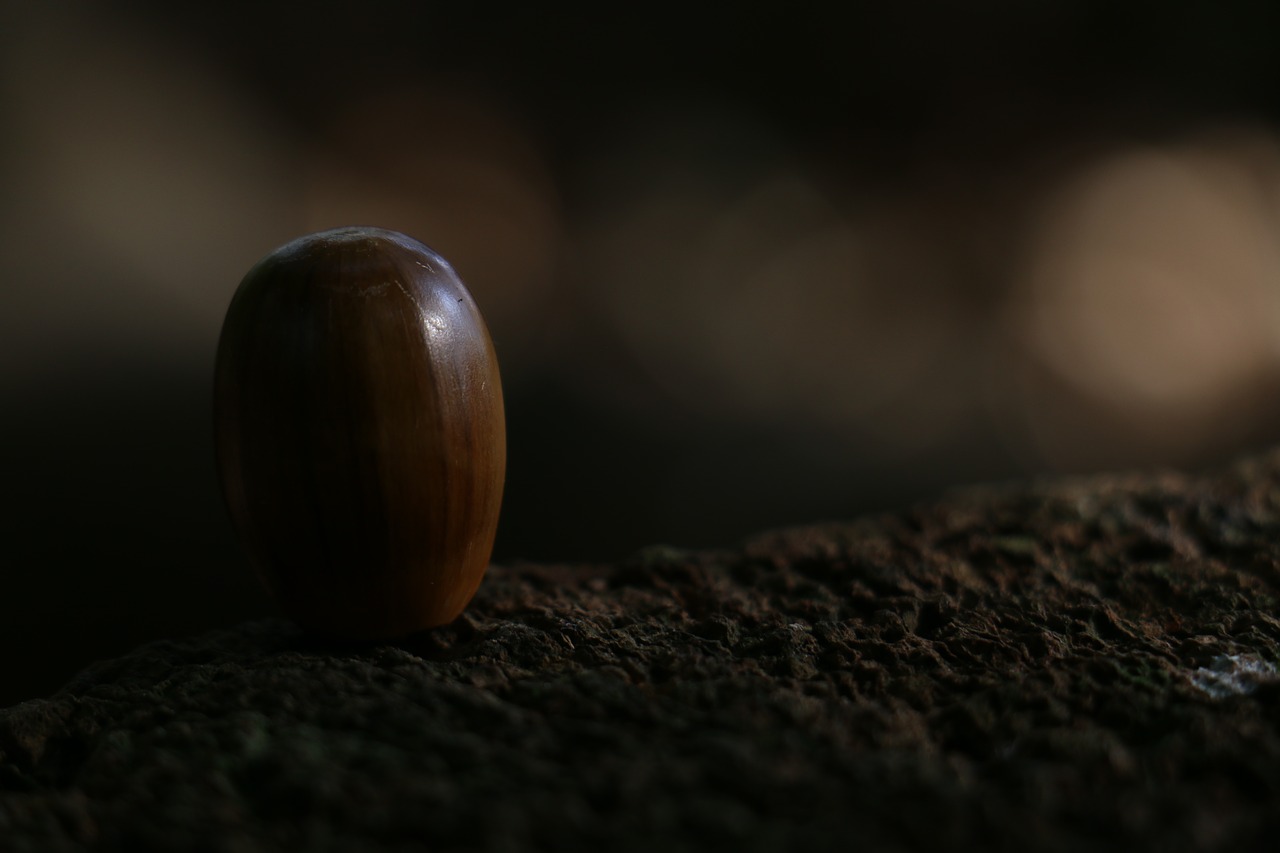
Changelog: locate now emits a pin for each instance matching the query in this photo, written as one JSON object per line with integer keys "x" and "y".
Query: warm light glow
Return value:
{"x": 1153, "y": 286}
{"x": 147, "y": 185}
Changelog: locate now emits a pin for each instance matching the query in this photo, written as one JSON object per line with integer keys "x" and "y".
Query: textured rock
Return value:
{"x": 1084, "y": 665}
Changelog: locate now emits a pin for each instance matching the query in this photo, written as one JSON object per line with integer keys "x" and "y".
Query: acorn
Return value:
{"x": 360, "y": 436}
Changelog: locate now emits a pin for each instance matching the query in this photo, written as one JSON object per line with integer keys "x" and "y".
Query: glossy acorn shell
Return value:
{"x": 360, "y": 433}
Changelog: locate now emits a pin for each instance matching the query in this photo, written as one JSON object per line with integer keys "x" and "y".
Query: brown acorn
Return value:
{"x": 360, "y": 433}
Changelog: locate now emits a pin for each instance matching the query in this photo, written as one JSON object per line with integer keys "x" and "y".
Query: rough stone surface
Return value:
{"x": 1084, "y": 665}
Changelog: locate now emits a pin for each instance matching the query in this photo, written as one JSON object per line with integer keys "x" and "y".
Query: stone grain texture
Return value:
{"x": 1086, "y": 665}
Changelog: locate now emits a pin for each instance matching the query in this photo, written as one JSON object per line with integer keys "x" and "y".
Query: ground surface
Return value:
{"x": 1086, "y": 665}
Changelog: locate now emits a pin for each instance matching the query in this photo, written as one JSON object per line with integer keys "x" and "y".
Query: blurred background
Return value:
{"x": 744, "y": 267}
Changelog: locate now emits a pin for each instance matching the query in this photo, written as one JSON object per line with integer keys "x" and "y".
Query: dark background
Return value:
{"x": 743, "y": 267}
